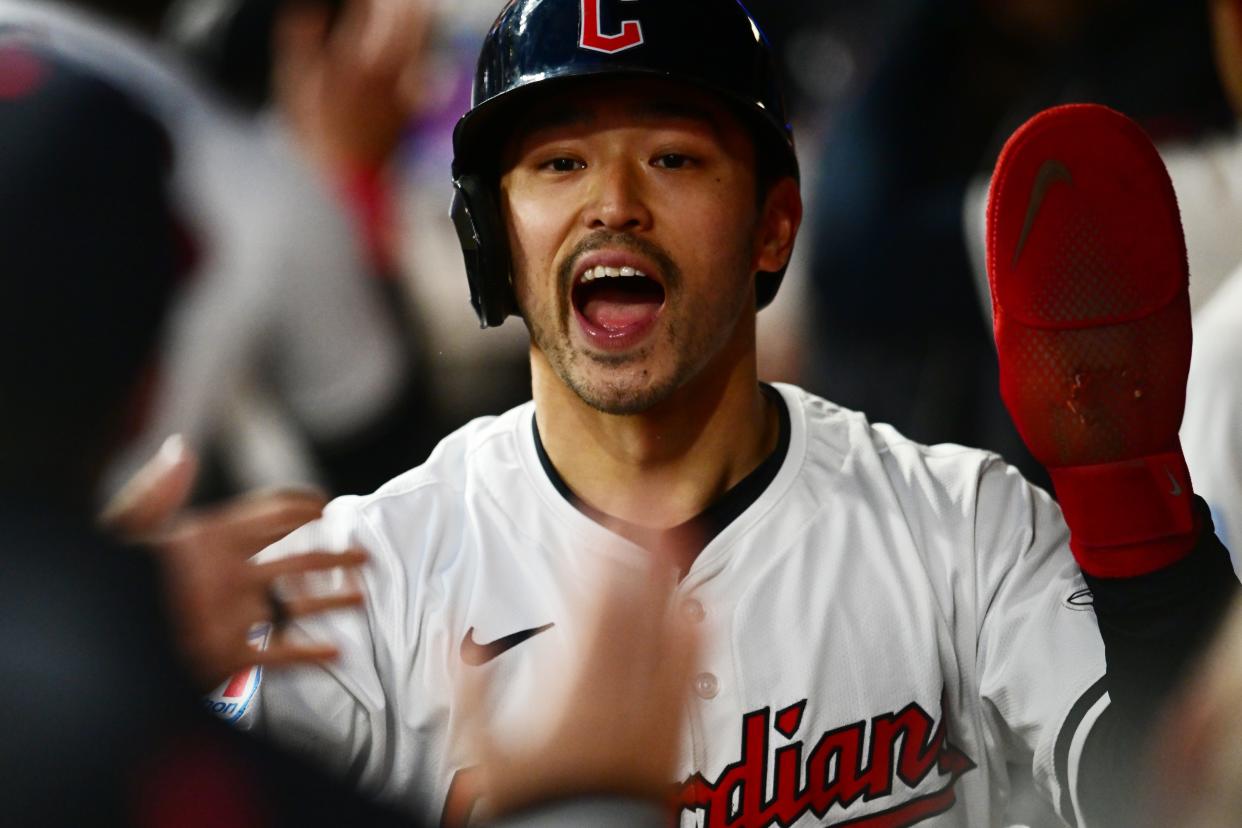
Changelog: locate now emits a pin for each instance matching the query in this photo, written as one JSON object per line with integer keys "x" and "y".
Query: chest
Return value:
{"x": 833, "y": 685}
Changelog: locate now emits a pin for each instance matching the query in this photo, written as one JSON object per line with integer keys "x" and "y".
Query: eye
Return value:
{"x": 672, "y": 161}
{"x": 563, "y": 165}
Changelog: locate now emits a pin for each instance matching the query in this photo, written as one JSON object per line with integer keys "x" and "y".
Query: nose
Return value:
{"x": 617, "y": 200}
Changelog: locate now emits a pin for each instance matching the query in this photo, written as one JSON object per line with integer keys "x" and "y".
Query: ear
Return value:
{"x": 779, "y": 220}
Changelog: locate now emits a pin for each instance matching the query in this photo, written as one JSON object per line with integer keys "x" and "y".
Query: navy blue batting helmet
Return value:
{"x": 536, "y": 47}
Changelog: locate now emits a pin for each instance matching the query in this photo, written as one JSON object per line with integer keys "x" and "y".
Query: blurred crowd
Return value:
{"x": 314, "y": 336}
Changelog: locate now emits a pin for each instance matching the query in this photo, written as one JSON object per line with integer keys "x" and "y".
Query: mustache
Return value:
{"x": 619, "y": 241}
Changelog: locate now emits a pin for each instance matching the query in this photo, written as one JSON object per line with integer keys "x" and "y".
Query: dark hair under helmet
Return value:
{"x": 536, "y": 47}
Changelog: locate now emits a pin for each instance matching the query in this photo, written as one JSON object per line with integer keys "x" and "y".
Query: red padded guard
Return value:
{"x": 1129, "y": 517}
{"x": 1091, "y": 312}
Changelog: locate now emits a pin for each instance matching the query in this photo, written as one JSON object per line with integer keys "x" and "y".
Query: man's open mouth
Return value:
{"x": 616, "y": 300}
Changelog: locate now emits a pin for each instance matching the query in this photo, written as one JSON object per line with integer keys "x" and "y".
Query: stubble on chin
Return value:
{"x": 624, "y": 384}
{"x": 619, "y": 384}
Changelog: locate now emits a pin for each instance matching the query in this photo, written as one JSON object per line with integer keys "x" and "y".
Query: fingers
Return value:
{"x": 308, "y": 562}
{"x": 219, "y": 640}
{"x": 292, "y": 599}
{"x": 278, "y": 506}
{"x": 299, "y": 39}
{"x": 300, "y": 34}
{"x": 289, "y": 600}
{"x": 313, "y": 605}
{"x": 281, "y": 651}
{"x": 151, "y": 498}
{"x": 382, "y": 36}
{"x": 288, "y": 655}
{"x": 248, "y": 525}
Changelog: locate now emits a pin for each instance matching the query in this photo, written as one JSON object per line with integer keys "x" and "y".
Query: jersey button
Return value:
{"x": 706, "y": 686}
{"x": 693, "y": 611}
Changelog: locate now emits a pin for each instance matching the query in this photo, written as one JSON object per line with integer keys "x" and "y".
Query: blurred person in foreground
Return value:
{"x": 286, "y": 324}
{"x": 100, "y": 721}
{"x": 339, "y": 80}
{"x": 99, "y": 710}
{"x": 1196, "y": 765}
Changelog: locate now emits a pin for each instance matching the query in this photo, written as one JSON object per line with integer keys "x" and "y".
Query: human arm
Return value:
{"x": 1091, "y": 313}
{"x": 1155, "y": 628}
{"x": 347, "y": 83}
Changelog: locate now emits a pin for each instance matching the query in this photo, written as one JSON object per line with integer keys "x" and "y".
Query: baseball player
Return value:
{"x": 887, "y": 628}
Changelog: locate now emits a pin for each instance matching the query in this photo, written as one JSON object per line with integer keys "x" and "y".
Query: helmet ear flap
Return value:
{"x": 485, "y": 246}
{"x": 766, "y": 285}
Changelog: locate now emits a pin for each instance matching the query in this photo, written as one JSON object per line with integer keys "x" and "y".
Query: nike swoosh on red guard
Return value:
{"x": 1091, "y": 311}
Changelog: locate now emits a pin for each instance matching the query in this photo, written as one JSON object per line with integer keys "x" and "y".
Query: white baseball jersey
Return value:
{"x": 888, "y": 626}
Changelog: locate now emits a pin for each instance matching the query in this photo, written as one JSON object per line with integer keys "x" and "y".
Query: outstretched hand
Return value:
{"x": 216, "y": 595}
{"x": 616, "y": 704}
{"x": 349, "y": 86}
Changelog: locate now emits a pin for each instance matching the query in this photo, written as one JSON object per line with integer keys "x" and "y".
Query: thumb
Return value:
{"x": 155, "y": 493}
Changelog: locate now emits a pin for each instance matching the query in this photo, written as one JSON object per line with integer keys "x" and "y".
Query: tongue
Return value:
{"x": 615, "y": 308}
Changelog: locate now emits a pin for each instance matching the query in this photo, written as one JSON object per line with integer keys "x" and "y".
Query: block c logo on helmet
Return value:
{"x": 592, "y": 38}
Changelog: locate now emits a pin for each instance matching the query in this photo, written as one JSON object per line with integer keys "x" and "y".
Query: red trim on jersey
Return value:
{"x": 237, "y": 685}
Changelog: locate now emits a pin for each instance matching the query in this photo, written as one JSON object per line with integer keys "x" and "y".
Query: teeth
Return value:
{"x": 602, "y": 272}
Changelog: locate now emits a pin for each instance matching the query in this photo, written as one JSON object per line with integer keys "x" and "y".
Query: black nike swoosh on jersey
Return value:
{"x": 476, "y": 655}
{"x": 1051, "y": 172}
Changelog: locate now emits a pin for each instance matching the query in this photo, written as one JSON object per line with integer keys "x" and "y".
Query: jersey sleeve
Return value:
{"x": 1040, "y": 658}
{"x": 332, "y": 713}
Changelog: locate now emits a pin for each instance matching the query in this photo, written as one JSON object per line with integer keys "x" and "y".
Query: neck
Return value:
{"x": 664, "y": 466}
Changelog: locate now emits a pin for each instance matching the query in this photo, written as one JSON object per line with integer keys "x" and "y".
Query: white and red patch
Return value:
{"x": 230, "y": 700}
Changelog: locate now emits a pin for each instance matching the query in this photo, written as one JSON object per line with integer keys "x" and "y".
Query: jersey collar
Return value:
{"x": 691, "y": 537}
